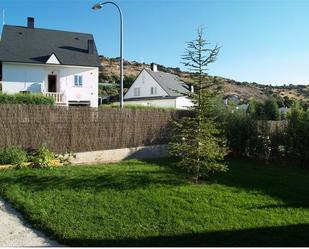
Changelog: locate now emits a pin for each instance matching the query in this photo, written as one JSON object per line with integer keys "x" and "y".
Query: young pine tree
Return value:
{"x": 197, "y": 139}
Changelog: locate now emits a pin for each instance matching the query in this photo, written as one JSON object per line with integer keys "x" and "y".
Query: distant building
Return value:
{"x": 283, "y": 110}
{"x": 243, "y": 107}
{"x": 233, "y": 98}
{"x": 156, "y": 88}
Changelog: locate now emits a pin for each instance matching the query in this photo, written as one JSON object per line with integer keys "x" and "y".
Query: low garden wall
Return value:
{"x": 81, "y": 129}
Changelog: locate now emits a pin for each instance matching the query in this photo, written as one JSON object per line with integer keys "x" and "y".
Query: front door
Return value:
{"x": 52, "y": 83}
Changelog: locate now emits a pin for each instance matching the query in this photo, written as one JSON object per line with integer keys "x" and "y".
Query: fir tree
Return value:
{"x": 197, "y": 139}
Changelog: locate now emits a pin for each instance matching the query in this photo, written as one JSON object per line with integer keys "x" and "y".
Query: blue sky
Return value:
{"x": 262, "y": 41}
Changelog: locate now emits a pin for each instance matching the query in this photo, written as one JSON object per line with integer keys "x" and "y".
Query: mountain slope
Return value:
{"x": 109, "y": 72}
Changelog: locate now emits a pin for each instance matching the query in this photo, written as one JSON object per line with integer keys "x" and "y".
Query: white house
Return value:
{"x": 156, "y": 88}
{"x": 60, "y": 64}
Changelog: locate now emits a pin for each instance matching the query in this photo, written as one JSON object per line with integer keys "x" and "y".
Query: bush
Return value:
{"x": 271, "y": 109}
{"x": 26, "y": 98}
{"x": 13, "y": 155}
{"x": 267, "y": 110}
{"x": 42, "y": 158}
{"x": 241, "y": 133}
{"x": 285, "y": 142}
{"x": 297, "y": 135}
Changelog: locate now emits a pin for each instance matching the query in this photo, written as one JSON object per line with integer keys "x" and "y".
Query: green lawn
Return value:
{"x": 149, "y": 203}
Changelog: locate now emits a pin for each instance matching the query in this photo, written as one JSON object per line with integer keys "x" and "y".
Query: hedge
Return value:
{"x": 26, "y": 98}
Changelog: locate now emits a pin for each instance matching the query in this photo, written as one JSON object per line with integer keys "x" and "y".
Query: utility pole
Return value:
{"x": 3, "y": 17}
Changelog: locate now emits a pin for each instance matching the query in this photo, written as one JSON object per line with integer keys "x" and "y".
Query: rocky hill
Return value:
{"x": 109, "y": 72}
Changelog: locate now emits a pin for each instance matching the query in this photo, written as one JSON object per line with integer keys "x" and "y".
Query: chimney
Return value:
{"x": 191, "y": 88}
{"x": 154, "y": 67}
{"x": 30, "y": 22}
{"x": 90, "y": 47}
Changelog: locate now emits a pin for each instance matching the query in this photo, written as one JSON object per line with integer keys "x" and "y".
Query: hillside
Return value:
{"x": 109, "y": 72}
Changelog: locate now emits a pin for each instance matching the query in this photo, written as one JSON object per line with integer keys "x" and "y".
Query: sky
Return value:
{"x": 263, "y": 41}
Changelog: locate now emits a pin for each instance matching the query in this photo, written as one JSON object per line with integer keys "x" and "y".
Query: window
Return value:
{"x": 137, "y": 91}
{"x": 78, "y": 80}
{"x": 153, "y": 90}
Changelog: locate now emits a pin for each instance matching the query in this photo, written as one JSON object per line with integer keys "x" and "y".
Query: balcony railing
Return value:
{"x": 57, "y": 96}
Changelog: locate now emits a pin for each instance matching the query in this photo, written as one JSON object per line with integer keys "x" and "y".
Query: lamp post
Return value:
{"x": 99, "y": 6}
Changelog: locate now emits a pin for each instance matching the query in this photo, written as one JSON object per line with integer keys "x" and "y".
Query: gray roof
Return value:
{"x": 170, "y": 83}
{"x": 27, "y": 45}
{"x": 283, "y": 109}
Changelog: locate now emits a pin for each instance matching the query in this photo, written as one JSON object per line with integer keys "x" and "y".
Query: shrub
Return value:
{"x": 26, "y": 98}
{"x": 241, "y": 133}
{"x": 297, "y": 135}
{"x": 13, "y": 155}
{"x": 271, "y": 109}
{"x": 42, "y": 158}
{"x": 267, "y": 110}
{"x": 65, "y": 159}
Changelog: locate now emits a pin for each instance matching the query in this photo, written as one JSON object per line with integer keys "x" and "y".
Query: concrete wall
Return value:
{"x": 177, "y": 103}
{"x": 183, "y": 103}
{"x": 105, "y": 156}
{"x": 34, "y": 78}
{"x": 165, "y": 103}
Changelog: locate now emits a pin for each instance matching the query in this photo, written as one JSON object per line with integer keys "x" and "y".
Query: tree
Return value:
{"x": 197, "y": 139}
{"x": 271, "y": 109}
{"x": 256, "y": 110}
{"x": 128, "y": 81}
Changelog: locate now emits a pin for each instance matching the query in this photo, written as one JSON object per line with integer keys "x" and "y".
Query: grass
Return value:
{"x": 150, "y": 203}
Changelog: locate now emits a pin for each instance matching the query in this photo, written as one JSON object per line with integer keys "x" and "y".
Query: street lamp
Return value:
{"x": 99, "y": 6}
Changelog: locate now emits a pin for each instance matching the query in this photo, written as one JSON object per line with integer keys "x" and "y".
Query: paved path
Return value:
{"x": 14, "y": 232}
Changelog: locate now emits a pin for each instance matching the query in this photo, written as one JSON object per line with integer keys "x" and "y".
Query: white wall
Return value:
{"x": 34, "y": 78}
{"x": 144, "y": 81}
{"x": 177, "y": 103}
{"x": 89, "y": 90}
{"x": 183, "y": 103}
{"x": 166, "y": 103}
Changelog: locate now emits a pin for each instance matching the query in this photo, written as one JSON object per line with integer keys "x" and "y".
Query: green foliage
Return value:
{"x": 13, "y": 155}
{"x": 65, "y": 159}
{"x": 198, "y": 142}
{"x": 197, "y": 139}
{"x": 297, "y": 135}
{"x": 42, "y": 158}
{"x": 271, "y": 109}
{"x": 279, "y": 100}
{"x": 109, "y": 89}
{"x": 256, "y": 110}
{"x": 128, "y": 81}
{"x": 267, "y": 110}
{"x": 240, "y": 128}
{"x": 287, "y": 141}
{"x": 26, "y": 98}
{"x": 247, "y": 137}
{"x": 287, "y": 101}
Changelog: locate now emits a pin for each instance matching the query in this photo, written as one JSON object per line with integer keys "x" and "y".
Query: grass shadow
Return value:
{"x": 290, "y": 235}
{"x": 98, "y": 180}
{"x": 287, "y": 184}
